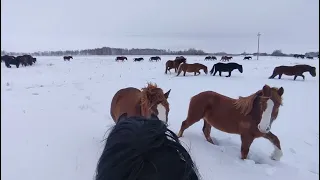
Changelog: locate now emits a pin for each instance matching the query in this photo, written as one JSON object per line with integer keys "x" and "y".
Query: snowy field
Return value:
{"x": 55, "y": 115}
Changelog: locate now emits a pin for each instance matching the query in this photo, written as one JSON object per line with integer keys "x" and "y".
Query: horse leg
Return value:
{"x": 219, "y": 73}
{"x": 186, "y": 124}
{"x": 246, "y": 141}
{"x": 302, "y": 76}
{"x": 277, "y": 153}
{"x": 166, "y": 70}
{"x": 295, "y": 77}
{"x": 206, "y": 129}
{"x": 229, "y": 74}
{"x": 215, "y": 72}
{"x": 184, "y": 73}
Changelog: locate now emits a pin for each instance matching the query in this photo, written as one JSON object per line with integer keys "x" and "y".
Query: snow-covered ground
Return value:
{"x": 55, "y": 115}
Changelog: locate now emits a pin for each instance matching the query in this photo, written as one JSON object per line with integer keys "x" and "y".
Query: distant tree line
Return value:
{"x": 112, "y": 51}
{"x": 146, "y": 51}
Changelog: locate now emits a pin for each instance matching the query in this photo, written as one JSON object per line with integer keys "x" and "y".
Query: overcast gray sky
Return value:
{"x": 211, "y": 25}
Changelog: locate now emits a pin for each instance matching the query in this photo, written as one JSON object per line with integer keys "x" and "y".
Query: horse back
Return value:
{"x": 126, "y": 100}
{"x": 218, "y": 110}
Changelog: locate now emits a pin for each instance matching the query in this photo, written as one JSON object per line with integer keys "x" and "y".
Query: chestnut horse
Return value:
{"x": 195, "y": 67}
{"x": 251, "y": 117}
{"x": 174, "y": 64}
{"x": 146, "y": 102}
{"x": 295, "y": 71}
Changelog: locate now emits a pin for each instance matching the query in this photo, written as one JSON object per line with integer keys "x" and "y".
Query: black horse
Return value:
{"x": 138, "y": 59}
{"x": 155, "y": 58}
{"x": 26, "y": 60}
{"x": 10, "y": 60}
{"x": 247, "y": 58}
{"x": 145, "y": 149}
{"x": 67, "y": 58}
{"x": 309, "y": 57}
{"x": 210, "y": 58}
{"x": 121, "y": 58}
{"x": 226, "y": 67}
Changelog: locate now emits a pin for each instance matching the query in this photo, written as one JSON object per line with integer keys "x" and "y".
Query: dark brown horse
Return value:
{"x": 155, "y": 58}
{"x": 250, "y": 117}
{"x": 150, "y": 100}
{"x": 210, "y": 58}
{"x": 247, "y": 58}
{"x": 226, "y": 58}
{"x": 174, "y": 64}
{"x": 121, "y": 58}
{"x": 295, "y": 71}
{"x": 195, "y": 68}
{"x": 67, "y": 58}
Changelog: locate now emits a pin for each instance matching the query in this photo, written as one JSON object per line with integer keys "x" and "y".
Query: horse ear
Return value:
{"x": 280, "y": 91}
{"x": 266, "y": 90}
{"x": 166, "y": 95}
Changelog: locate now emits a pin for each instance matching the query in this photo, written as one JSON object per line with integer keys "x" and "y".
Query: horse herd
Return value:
{"x": 250, "y": 117}
{"x": 180, "y": 65}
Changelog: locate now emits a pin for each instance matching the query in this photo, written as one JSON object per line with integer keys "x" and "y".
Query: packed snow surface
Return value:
{"x": 54, "y": 116}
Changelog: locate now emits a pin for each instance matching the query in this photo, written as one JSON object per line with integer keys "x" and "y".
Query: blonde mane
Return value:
{"x": 245, "y": 104}
{"x": 150, "y": 95}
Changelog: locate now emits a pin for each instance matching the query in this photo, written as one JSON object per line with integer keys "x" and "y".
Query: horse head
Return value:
{"x": 270, "y": 101}
{"x": 155, "y": 102}
{"x": 312, "y": 71}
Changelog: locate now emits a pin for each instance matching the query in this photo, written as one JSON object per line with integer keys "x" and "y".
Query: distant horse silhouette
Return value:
{"x": 295, "y": 71}
{"x": 10, "y": 60}
{"x": 121, "y": 58}
{"x": 138, "y": 59}
{"x": 138, "y": 148}
{"x": 247, "y": 58}
{"x": 182, "y": 58}
{"x": 299, "y": 56}
{"x": 67, "y": 58}
{"x": 226, "y": 58}
{"x": 250, "y": 117}
{"x": 174, "y": 64}
{"x": 228, "y": 67}
{"x": 309, "y": 57}
{"x": 155, "y": 58}
{"x": 210, "y": 58}
{"x": 195, "y": 68}
{"x": 150, "y": 100}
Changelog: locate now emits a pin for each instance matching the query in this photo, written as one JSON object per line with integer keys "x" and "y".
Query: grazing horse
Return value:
{"x": 226, "y": 58}
{"x": 210, "y": 58}
{"x": 295, "y": 71}
{"x": 138, "y": 59}
{"x": 195, "y": 68}
{"x": 250, "y": 117}
{"x": 67, "y": 58}
{"x": 155, "y": 58}
{"x": 150, "y": 100}
{"x": 138, "y": 148}
{"x": 174, "y": 64}
{"x": 227, "y": 67}
{"x": 247, "y": 58}
{"x": 121, "y": 58}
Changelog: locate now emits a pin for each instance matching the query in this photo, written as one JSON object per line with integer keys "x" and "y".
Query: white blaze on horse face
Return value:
{"x": 265, "y": 124}
{"x": 162, "y": 113}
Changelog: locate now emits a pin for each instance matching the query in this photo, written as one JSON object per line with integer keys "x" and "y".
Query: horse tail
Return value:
{"x": 179, "y": 68}
{"x": 211, "y": 71}
{"x": 274, "y": 73}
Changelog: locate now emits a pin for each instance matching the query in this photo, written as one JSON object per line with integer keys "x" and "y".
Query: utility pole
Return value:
{"x": 258, "y": 53}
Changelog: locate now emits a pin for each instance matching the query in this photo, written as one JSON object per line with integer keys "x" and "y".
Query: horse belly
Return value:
{"x": 223, "y": 121}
